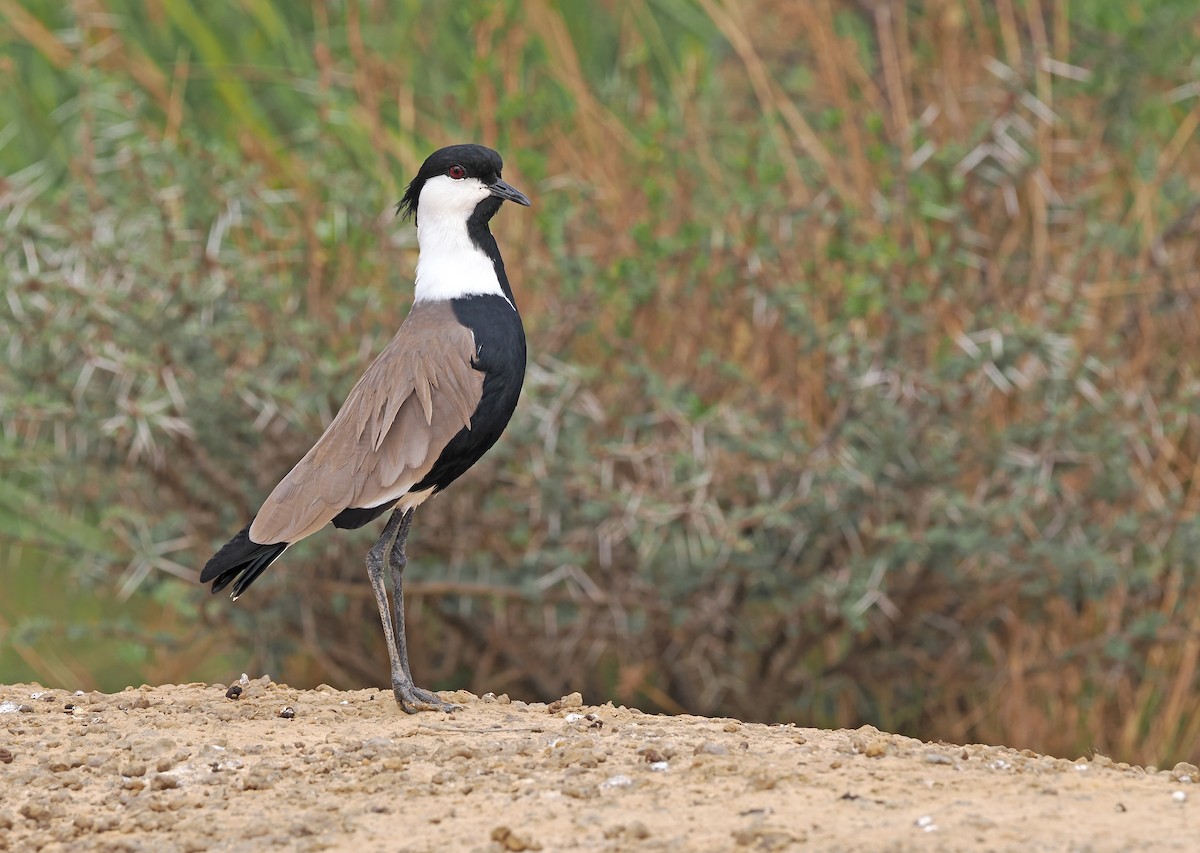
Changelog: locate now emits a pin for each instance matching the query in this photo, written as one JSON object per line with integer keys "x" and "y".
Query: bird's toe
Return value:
{"x": 412, "y": 699}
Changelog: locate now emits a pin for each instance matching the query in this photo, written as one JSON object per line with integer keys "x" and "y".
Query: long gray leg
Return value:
{"x": 390, "y": 550}
{"x": 407, "y": 694}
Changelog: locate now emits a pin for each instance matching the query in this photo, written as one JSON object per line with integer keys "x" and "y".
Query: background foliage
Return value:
{"x": 864, "y": 381}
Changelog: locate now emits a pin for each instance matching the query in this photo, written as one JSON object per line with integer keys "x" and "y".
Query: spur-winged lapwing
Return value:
{"x": 431, "y": 404}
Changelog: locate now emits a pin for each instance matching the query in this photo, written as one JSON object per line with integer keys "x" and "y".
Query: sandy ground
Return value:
{"x": 187, "y": 768}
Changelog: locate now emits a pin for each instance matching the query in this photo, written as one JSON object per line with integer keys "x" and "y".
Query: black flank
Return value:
{"x": 353, "y": 518}
{"x": 500, "y": 355}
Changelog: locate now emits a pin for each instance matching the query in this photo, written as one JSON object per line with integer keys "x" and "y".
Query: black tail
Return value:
{"x": 240, "y": 559}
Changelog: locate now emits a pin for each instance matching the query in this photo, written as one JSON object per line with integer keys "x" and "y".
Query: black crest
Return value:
{"x": 476, "y": 160}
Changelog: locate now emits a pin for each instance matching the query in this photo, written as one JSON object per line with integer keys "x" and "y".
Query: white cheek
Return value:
{"x": 444, "y": 196}
{"x": 451, "y": 265}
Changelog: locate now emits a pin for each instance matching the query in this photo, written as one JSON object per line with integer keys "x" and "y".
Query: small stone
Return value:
{"x": 259, "y": 779}
{"x": 582, "y": 722}
{"x": 580, "y": 791}
{"x": 234, "y": 692}
{"x": 1185, "y": 772}
{"x": 6, "y": 756}
{"x": 571, "y": 700}
{"x": 66, "y": 762}
{"x": 732, "y": 726}
{"x": 709, "y": 747}
{"x": 762, "y": 838}
{"x": 162, "y": 782}
{"x": 651, "y": 755}
{"x": 937, "y": 758}
{"x": 509, "y": 840}
{"x": 452, "y": 750}
{"x": 619, "y": 781}
{"x": 37, "y": 812}
{"x": 288, "y": 712}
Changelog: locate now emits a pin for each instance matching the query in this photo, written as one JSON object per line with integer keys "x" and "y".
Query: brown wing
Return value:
{"x": 388, "y": 434}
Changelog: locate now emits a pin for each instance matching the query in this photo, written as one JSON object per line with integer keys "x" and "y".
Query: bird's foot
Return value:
{"x": 411, "y": 699}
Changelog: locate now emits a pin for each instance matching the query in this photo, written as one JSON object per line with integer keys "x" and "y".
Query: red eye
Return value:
{"x": 457, "y": 172}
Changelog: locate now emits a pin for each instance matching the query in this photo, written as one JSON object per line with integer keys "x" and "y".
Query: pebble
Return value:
{"x": 259, "y": 779}
{"x": 618, "y": 781}
{"x": 571, "y": 700}
{"x": 1185, "y": 772}
{"x": 876, "y": 748}
{"x": 510, "y": 840}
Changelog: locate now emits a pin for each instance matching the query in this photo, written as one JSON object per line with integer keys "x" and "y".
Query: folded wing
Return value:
{"x": 414, "y": 398}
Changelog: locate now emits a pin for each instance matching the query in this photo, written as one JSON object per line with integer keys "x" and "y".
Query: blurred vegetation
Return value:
{"x": 864, "y": 381}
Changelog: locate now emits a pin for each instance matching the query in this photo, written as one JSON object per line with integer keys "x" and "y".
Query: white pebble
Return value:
{"x": 660, "y": 766}
{"x": 1179, "y": 796}
{"x": 616, "y": 782}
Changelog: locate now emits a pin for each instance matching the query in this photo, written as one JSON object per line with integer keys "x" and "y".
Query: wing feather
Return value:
{"x": 413, "y": 399}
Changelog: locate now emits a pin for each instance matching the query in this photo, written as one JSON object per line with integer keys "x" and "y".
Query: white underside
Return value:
{"x": 450, "y": 266}
{"x": 405, "y": 499}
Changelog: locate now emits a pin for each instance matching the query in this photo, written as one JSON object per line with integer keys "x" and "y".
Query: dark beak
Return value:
{"x": 504, "y": 191}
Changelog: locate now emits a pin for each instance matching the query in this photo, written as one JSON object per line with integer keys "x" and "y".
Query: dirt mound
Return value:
{"x": 262, "y": 766}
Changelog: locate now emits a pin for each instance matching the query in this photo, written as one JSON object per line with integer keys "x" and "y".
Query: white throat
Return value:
{"x": 450, "y": 266}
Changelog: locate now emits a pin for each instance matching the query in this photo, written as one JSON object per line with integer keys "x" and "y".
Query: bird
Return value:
{"x": 436, "y": 399}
